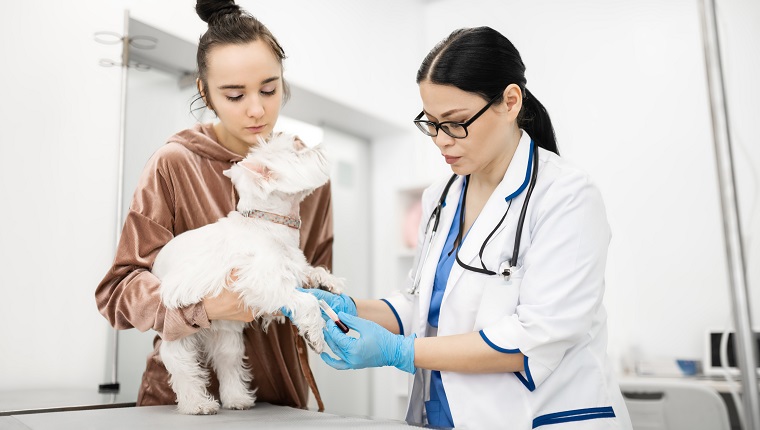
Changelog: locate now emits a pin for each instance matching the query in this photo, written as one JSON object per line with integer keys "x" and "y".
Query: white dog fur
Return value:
{"x": 268, "y": 266}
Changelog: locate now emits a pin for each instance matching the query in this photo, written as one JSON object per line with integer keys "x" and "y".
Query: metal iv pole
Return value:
{"x": 745, "y": 339}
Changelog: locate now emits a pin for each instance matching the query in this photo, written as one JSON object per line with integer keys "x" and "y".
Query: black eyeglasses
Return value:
{"x": 457, "y": 130}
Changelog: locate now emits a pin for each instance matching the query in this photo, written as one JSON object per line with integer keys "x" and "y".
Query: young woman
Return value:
{"x": 183, "y": 188}
{"x": 503, "y": 325}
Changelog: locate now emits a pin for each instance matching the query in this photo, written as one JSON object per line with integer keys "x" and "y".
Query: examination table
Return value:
{"x": 261, "y": 416}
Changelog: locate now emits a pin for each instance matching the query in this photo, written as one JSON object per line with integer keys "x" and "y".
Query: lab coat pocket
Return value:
{"x": 499, "y": 299}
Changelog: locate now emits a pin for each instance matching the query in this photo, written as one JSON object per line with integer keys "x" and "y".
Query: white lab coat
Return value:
{"x": 551, "y": 310}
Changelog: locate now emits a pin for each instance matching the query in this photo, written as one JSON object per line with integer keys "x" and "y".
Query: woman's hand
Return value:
{"x": 374, "y": 347}
{"x": 227, "y": 305}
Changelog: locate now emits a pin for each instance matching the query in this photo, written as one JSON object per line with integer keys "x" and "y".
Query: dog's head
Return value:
{"x": 281, "y": 167}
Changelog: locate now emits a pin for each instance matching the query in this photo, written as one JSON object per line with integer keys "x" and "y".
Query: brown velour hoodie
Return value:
{"x": 182, "y": 188}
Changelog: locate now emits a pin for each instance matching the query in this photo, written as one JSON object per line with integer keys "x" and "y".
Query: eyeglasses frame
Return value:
{"x": 464, "y": 125}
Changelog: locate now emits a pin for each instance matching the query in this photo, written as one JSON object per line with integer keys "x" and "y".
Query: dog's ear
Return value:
{"x": 298, "y": 143}
{"x": 257, "y": 169}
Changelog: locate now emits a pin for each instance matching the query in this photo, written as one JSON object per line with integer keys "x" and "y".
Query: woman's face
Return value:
{"x": 490, "y": 139}
{"x": 245, "y": 91}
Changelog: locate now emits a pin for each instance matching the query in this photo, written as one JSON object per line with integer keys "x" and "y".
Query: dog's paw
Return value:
{"x": 314, "y": 337}
{"x": 319, "y": 277}
{"x": 335, "y": 287}
{"x": 239, "y": 403}
{"x": 318, "y": 345}
{"x": 206, "y": 407}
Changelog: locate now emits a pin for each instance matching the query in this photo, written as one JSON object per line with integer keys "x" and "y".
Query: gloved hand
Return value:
{"x": 338, "y": 302}
{"x": 375, "y": 347}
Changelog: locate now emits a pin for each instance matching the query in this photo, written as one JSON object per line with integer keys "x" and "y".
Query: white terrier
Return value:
{"x": 254, "y": 252}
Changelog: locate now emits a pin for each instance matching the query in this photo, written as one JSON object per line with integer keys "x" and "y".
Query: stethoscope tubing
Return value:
{"x": 435, "y": 218}
{"x": 524, "y": 210}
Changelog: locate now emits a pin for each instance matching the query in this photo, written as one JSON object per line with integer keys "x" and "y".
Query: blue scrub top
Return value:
{"x": 437, "y": 408}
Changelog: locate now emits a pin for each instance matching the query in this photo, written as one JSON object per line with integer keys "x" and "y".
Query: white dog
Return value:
{"x": 254, "y": 252}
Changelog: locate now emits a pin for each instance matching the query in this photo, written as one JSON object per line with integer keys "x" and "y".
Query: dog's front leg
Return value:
{"x": 226, "y": 351}
{"x": 319, "y": 277}
{"x": 307, "y": 316}
{"x": 188, "y": 379}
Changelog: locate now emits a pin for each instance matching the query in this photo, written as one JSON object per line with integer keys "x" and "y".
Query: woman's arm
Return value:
{"x": 376, "y": 346}
{"x": 379, "y": 312}
{"x": 466, "y": 353}
{"x": 129, "y": 294}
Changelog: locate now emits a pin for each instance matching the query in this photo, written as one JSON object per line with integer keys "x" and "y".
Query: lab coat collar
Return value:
{"x": 514, "y": 183}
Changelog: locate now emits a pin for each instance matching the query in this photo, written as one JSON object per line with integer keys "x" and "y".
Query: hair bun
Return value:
{"x": 210, "y": 9}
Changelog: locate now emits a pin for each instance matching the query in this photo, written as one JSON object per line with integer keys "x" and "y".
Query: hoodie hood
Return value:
{"x": 201, "y": 139}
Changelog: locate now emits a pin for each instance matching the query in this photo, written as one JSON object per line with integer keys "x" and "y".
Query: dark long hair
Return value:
{"x": 482, "y": 61}
{"x": 228, "y": 24}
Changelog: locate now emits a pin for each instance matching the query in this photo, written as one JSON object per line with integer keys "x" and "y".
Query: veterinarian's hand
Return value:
{"x": 375, "y": 347}
{"x": 338, "y": 302}
{"x": 226, "y": 306}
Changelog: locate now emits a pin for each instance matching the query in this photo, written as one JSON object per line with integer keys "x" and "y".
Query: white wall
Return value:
{"x": 58, "y": 182}
{"x": 739, "y": 24}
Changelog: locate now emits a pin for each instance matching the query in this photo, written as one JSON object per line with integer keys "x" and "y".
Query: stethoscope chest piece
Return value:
{"x": 506, "y": 270}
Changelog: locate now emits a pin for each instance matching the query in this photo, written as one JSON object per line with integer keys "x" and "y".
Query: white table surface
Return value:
{"x": 261, "y": 416}
{"x": 25, "y": 401}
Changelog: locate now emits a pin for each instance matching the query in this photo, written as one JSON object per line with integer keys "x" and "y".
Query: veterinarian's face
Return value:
{"x": 490, "y": 142}
{"x": 245, "y": 90}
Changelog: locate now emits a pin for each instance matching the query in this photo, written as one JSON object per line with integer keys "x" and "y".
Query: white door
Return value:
{"x": 156, "y": 109}
{"x": 348, "y": 392}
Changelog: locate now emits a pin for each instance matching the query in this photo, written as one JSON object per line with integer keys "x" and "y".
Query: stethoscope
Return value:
{"x": 508, "y": 267}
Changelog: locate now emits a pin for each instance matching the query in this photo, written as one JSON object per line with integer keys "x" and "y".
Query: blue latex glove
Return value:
{"x": 375, "y": 346}
{"x": 338, "y": 302}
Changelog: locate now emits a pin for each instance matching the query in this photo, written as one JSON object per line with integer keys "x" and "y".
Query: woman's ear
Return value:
{"x": 203, "y": 94}
{"x": 513, "y": 98}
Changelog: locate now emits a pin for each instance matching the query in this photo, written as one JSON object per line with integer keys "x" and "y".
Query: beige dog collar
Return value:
{"x": 279, "y": 219}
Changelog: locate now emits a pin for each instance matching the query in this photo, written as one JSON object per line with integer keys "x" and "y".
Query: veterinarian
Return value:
{"x": 502, "y": 324}
{"x": 183, "y": 188}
